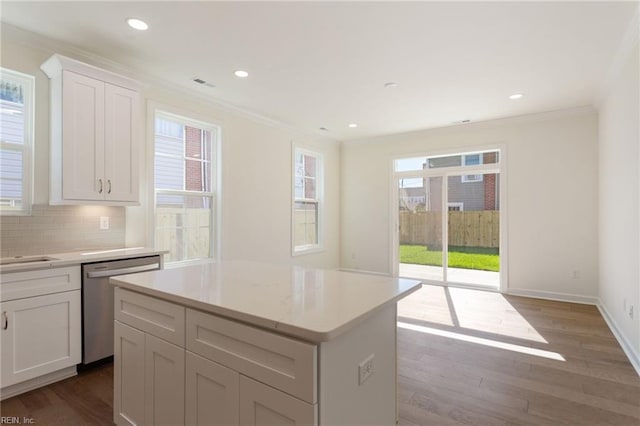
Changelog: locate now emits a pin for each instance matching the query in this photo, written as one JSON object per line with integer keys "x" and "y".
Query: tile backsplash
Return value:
{"x": 57, "y": 229}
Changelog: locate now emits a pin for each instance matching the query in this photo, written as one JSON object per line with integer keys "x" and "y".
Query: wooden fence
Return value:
{"x": 466, "y": 228}
{"x": 184, "y": 232}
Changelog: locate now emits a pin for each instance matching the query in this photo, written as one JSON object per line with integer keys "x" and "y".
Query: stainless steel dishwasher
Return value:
{"x": 97, "y": 302}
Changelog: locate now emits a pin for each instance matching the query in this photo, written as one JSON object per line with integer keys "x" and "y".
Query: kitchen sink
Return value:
{"x": 25, "y": 259}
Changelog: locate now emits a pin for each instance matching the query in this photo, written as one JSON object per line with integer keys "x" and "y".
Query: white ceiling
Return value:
{"x": 324, "y": 64}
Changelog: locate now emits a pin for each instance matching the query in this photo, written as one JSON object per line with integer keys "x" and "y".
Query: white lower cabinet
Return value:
{"x": 158, "y": 382}
{"x": 40, "y": 332}
{"x": 39, "y": 335}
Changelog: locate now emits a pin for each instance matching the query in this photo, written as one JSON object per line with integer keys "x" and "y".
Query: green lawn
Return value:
{"x": 459, "y": 257}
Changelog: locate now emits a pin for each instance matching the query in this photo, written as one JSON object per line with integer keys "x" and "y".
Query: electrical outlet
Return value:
{"x": 104, "y": 222}
{"x": 575, "y": 274}
{"x": 365, "y": 370}
{"x": 631, "y": 311}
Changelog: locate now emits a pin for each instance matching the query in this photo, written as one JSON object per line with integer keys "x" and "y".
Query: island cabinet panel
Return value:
{"x": 284, "y": 363}
{"x": 148, "y": 379}
{"x": 128, "y": 376}
{"x": 163, "y": 382}
{"x": 262, "y": 405}
{"x": 211, "y": 393}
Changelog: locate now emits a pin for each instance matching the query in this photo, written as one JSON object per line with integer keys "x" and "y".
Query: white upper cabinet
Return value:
{"x": 95, "y": 134}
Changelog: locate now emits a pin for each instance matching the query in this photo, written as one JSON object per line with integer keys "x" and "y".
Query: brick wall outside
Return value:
{"x": 489, "y": 182}
{"x": 193, "y": 168}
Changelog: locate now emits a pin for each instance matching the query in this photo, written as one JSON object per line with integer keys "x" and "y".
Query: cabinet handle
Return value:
{"x": 100, "y": 183}
{"x": 109, "y": 184}
{"x": 5, "y": 320}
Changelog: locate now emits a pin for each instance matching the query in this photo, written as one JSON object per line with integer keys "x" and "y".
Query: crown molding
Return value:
{"x": 51, "y": 46}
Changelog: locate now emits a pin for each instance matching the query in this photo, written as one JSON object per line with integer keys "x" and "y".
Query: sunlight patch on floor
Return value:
{"x": 468, "y": 309}
{"x": 481, "y": 341}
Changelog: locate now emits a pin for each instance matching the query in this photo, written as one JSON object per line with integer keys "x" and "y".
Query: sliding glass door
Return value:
{"x": 420, "y": 227}
{"x": 448, "y": 219}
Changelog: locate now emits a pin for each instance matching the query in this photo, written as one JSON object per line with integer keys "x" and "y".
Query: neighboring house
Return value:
{"x": 412, "y": 199}
{"x": 182, "y": 160}
{"x": 468, "y": 192}
{"x": 12, "y": 124}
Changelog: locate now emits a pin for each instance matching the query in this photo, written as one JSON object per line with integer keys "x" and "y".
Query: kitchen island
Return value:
{"x": 250, "y": 343}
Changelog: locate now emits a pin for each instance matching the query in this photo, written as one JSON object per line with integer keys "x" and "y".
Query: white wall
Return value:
{"x": 256, "y": 162}
{"x": 619, "y": 206}
{"x": 551, "y": 197}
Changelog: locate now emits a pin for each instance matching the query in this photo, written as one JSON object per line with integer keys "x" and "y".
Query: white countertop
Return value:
{"x": 311, "y": 304}
{"x": 76, "y": 258}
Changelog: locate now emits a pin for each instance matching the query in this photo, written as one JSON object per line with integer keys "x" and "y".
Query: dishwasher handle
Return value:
{"x": 123, "y": 271}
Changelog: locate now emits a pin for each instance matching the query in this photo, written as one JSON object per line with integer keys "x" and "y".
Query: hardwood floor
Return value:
{"x": 86, "y": 399}
{"x": 482, "y": 358}
{"x": 465, "y": 357}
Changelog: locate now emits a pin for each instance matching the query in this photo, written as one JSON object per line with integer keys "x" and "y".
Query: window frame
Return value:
{"x": 186, "y": 118}
{"x": 26, "y": 148}
{"x": 298, "y": 250}
{"x": 472, "y": 178}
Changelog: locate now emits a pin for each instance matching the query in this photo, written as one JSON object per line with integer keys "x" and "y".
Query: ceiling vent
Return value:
{"x": 203, "y": 82}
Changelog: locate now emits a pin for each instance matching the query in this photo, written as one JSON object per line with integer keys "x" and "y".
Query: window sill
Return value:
{"x": 303, "y": 250}
{"x": 185, "y": 263}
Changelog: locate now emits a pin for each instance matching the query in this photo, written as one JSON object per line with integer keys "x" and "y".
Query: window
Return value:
{"x": 455, "y": 206}
{"x": 307, "y": 201}
{"x": 472, "y": 160}
{"x": 184, "y": 170}
{"x": 16, "y": 142}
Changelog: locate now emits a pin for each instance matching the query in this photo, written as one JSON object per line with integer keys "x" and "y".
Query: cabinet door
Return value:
{"x": 164, "y": 382}
{"x": 211, "y": 394}
{"x": 128, "y": 376}
{"x": 264, "y": 405}
{"x": 82, "y": 137}
{"x": 121, "y": 143}
{"x": 39, "y": 335}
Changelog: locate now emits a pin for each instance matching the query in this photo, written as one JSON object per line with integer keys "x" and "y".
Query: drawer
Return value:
{"x": 18, "y": 285}
{"x": 281, "y": 362}
{"x": 156, "y": 317}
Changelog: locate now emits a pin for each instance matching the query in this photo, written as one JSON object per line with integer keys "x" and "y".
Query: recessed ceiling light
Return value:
{"x": 241, "y": 74}
{"x": 516, "y": 96}
{"x": 137, "y": 24}
{"x": 353, "y": 125}
{"x": 391, "y": 84}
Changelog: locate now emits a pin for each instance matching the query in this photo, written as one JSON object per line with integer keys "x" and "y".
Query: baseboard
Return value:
{"x": 26, "y": 386}
{"x": 627, "y": 347}
{"x": 550, "y": 295}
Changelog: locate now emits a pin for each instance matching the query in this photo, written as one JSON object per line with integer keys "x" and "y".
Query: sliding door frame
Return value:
{"x": 445, "y": 173}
